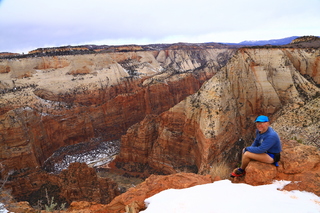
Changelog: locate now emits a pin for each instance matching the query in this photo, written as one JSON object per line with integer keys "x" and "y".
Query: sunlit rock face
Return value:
{"x": 175, "y": 109}
{"x": 50, "y": 102}
{"x": 214, "y": 123}
{"x": 301, "y": 123}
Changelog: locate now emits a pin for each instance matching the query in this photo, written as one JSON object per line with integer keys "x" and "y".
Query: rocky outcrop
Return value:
{"x": 86, "y": 49}
{"x": 4, "y": 69}
{"x": 46, "y": 105}
{"x": 133, "y": 199}
{"x": 7, "y": 54}
{"x": 78, "y": 183}
{"x": 299, "y": 164}
{"x": 305, "y": 39}
{"x": 9, "y": 204}
{"x": 300, "y": 123}
{"x": 311, "y": 42}
{"x": 306, "y": 62}
{"x": 52, "y": 102}
{"x": 79, "y": 186}
{"x": 213, "y": 124}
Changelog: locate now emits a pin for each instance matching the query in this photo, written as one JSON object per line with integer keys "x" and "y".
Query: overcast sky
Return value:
{"x": 29, "y": 24}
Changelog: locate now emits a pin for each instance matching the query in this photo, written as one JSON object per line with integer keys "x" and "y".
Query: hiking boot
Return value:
{"x": 238, "y": 173}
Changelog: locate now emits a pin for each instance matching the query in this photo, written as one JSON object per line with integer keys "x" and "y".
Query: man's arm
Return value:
{"x": 267, "y": 143}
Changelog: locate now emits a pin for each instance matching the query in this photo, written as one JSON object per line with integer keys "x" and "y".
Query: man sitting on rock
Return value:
{"x": 265, "y": 148}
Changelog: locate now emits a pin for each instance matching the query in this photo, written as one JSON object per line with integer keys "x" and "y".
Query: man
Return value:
{"x": 265, "y": 148}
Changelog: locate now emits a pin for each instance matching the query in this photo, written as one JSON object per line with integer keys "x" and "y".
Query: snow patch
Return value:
{"x": 224, "y": 196}
{"x": 3, "y": 209}
{"x": 103, "y": 153}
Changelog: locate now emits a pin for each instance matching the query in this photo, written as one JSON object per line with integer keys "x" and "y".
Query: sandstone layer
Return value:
{"x": 213, "y": 124}
{"x": 302, "y": 123}
{"x": 299, "y": 164}
{"x": 133, "y": 199}
{"x": 168, "y": 119}
{"x": 51, "y": 102}
{"x": 78, "y": 183}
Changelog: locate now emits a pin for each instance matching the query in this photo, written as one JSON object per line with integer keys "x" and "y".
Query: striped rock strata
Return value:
{"x": 213, "y": 124}
{"x": 51, "y": 102}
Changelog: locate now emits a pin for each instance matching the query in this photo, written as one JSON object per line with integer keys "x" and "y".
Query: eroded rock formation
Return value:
{"x": 305, "y": 39}
{"x": 152, "y": 99}
{"x": 78, "y": 183}
{"x": 214, "y": 123}
{"x": 51, "y": 102}
{"x": 302, "y": 123}
{"x": 299, "y": 164}
{"x": 134, "y": 198}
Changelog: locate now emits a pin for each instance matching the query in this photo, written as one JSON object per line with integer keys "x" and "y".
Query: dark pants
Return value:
{"x": 275, "y": 156}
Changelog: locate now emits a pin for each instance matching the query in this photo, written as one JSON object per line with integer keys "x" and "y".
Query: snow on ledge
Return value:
{"x": 227, "y": 197}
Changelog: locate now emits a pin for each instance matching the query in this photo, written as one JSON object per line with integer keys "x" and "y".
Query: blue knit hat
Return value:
{"x": 262, "y": 118}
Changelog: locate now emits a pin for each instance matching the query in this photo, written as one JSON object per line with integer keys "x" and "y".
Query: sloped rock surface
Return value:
{"x": 134, "y": 198}
{"x": 299, "y": 164}
{"x": 52, "y": 102}
{"x": 214, "y": 123}
{"x": 11, "y": 205}
{"x": 46, "y": 107}
{"x": 301, "y": 123}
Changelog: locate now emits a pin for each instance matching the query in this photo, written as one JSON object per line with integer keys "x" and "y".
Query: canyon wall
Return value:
{"x": 213, "y": 124}
{"x": 54, "y": 101}
{"x": 181, "y": 108}
{"x": 78, "y": 182}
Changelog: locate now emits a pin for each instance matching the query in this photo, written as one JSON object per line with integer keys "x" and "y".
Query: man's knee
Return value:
{"x": 246, "y": 154}
{"x": 259, "y": 157}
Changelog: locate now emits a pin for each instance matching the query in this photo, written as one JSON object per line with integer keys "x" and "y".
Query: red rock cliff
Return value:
{"x": 77, "y": 183}
{"x": 51, "y": 102}
{"x": 213, "y": 124}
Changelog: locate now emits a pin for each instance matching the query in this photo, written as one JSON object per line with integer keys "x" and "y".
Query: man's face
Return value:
{"x": 262, "y": 126}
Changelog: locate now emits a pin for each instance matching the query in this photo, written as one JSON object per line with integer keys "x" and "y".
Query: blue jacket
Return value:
{"x": 266, "y": 142}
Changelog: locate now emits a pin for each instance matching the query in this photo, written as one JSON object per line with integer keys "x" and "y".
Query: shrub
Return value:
{"x": 221, "y": 170}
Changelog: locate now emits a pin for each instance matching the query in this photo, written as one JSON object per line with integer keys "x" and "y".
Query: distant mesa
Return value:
{"x": 282, "y": 41}
{"x": 5, "y": 54}
{"x": 88, "y": 49}
{"x": 305, "y": 39}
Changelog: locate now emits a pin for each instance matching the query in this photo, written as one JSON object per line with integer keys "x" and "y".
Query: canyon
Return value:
{"x": 52, "y": 102}
{"x": 177, "y": 108}
{"x": 214, "y": 123}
